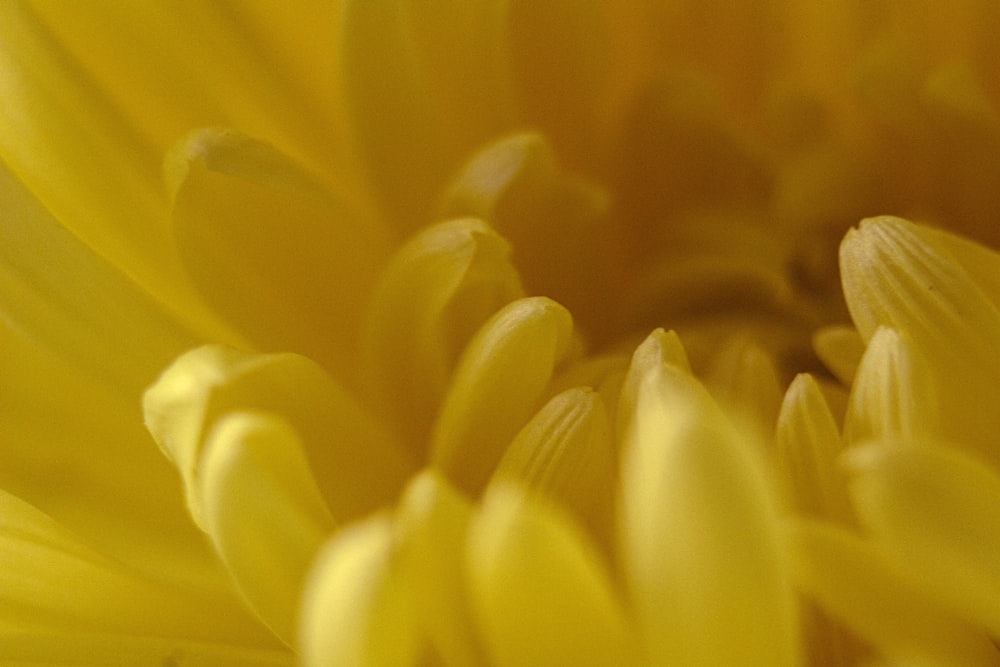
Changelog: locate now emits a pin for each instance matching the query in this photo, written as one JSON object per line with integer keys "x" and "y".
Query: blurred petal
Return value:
{"x": 264, "y": 513}
{"x": 851, "y": 581}
{"x": 840, "y": 348}
{"x": 540, "y": 591}
{"x": 259, "y": 235}
{"x": 937, "y": 512}
{"x": 357, "y": 608}
{"x": 497, "y": 387}
{"x": 700, "y": 534}
{"x": 205, "y": 384}
{"x": 437, "y": 290}
{"x": 432, "y": 524}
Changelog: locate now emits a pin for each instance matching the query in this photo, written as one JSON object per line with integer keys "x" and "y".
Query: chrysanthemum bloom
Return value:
{"x": 499, "y": 333}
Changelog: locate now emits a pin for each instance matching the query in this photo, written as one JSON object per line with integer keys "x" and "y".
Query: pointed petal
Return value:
{"x": 541, "y": 594}
{"x": 264, "y": 513}
{"x": 497, "y": 387}
{"x": 744, "y": 380}
{"x": 437, "y": 290}
{"x": 357, "y": 609}
{"x": 432, "y": 525}
{"x": 851, "y": 581}
{"x": 700, "y": 534}
{"x": 658, "y": 349}
{"x": 937, "y": 511}
{"x": 205, "y": 384}
{"x": 260, "y": 236}
{"x": 808, "y": 443}
{"x": 51, "y": 579}
{"x": 893, "y": 395}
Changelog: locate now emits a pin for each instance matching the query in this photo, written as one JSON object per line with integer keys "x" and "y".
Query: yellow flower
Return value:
{"x": 400, "y": 293}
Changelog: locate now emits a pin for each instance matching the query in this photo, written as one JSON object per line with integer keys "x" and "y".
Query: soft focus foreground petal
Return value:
{"x": 840, "y": 348}
{"x": 743, "y": 378}
{"x": 61, "y": 647}
{"x": 557, "y": 223}
{"x": 700, "y": 541}
{"x": 851, "y": 581}
{"x": 432, "y": 524}
{"x": 566, "y": 453}
{"x": 807, "y": 445}
{"x": 357, "y": 609}
{"x": 896, "y": 276}
{"x": 424, "y": 86}
{"x": 434, "y": 294}
{"x": 259, "y": 235}
{"x": 50, "y": 579}
{"x": 497, "y": 387}
{"x": 937, "y": 513}
{"x": 362, "y": 467}
{"x": 244, "y": 64}
{"x": 86, "y": 163}
{"x": 541, "y": 593}
{"x": 263, "y": 512}
{"x": 893, "y": 395}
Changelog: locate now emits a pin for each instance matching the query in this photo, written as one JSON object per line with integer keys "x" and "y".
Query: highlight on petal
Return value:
{"x": 437, "y": 290}
{"x": 807, "y": 448}
{"x": 431, "y": 527}
{"x": 699, "y": 534}
{"x": 258, "y": 234}
{"x": 540, "y": 591}
{"x": 853, "y": 582}
{"x": 936, "y": 512}
{"x": 50, "y": 579}
{"x": 658, "y": 349}
{"x": 357, "y": 608}
{"x": 263, "y": 512}
{"x": 207, "y": 383}
{"x": 566, "y": 454}
{"x": 497, "y": 386}
{"x": 893, "y": 395}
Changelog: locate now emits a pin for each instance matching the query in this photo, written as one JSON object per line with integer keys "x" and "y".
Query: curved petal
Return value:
{"x": 497, "y": 387}
{"x": 541, "y": 594}
{"x": 699, "y": 534}
{"x": 264, "y": 513}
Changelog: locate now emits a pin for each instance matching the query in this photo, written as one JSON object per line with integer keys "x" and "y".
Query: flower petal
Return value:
{"x": 540, "y": 591}
{"x": 808, "y": 443}
{"x": 437, "y": 290}
{"x": 260, "y": 235}
{"x": 840, "y": 349}
{"x": 893, "y": 395}
{"x": 263, "y": 511}
{"x": 851, "y": 581}
{"x": 937, "y": 511}
{"x": 700, "y": 534}
{"x": 50, "y": 579}
{"x": 432, "y": 524}
{"x": 357, "y": 608}
{"x": 205, "y": 384}
{"x": 497, "y": 387}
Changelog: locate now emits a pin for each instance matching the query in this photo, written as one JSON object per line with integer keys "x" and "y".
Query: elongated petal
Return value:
{"x": 700, "y": 534}
{"x": 51, "y": 579}
{"x": 895, "y": 275}
{"x": 264, "y": 513}
{"x": 432, "y": 525}
{"x": 205, "y": 384}
{"x": 565, "y": 452}
{"x": 744, "y": 380}
{"x": 357, "y": 609}
{"x": 808, "y": 443}
{"x": 260, "y": 235}
{"x": 893, "y": 395}
{"x": 497, "y": 386}
{"x": 53, "y": 647}
{"x": 658, "y": 349}
{"x": 851, "y": 581}
{"x": 937, "y": 511}
{"x": 437, "y": 290}
{"x": 540, "y": 591}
